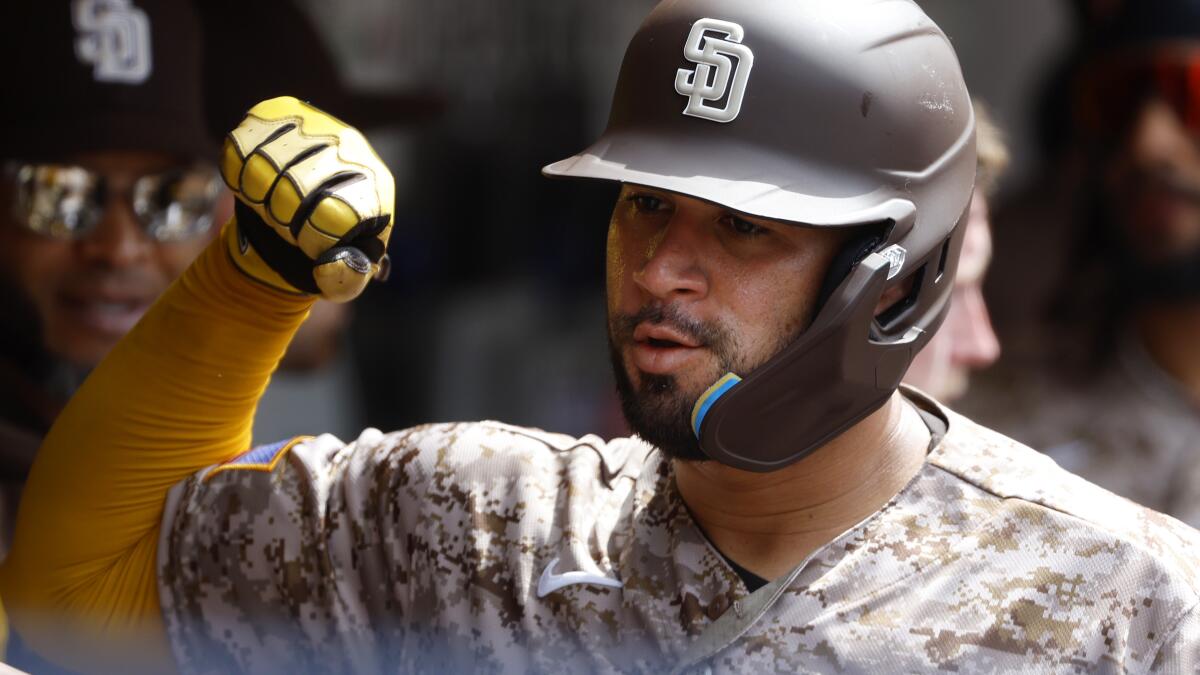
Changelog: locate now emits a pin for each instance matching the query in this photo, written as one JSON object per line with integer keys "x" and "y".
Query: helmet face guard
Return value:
{"x": 824, "y": 113}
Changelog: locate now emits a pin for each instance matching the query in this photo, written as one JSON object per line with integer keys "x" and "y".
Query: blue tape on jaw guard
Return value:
{"x": 709, "y": 397}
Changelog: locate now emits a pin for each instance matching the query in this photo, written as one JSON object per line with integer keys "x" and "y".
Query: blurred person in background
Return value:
{"x": 965, "y": 341}
{"x": 108, "y": 192}
{"x": 1116, "y": 397}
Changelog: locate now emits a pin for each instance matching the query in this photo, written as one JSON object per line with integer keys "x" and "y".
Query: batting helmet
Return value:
{"x": 822, "y": 113}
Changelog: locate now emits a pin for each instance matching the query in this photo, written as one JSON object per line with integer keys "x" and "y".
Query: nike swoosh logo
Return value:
{"x": 551, "y": 582}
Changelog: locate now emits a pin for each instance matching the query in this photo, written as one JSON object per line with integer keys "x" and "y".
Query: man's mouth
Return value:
{"x": 662, "y": 335}
{"x": 660, "y": 349}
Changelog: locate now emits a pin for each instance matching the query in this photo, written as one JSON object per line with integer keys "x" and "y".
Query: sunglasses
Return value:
{"x": 67, "y": 202}
{"x": 1111, "y": 92}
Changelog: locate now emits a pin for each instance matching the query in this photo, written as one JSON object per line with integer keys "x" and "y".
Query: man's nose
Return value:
{"x": 672, "y": 269}
{"x": 975, "y": 342}
{"x": 118, "y": 240}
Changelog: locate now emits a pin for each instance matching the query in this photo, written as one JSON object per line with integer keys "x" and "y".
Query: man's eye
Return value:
{"x": 745, "y": 227}
{"x": 647, "y": 203}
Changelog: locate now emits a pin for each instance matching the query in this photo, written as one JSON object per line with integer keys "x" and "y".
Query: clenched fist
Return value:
{"x": 314, "y": 201}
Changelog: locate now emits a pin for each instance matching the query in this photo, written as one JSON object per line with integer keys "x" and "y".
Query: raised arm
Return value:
{"x": 179, "y": 392}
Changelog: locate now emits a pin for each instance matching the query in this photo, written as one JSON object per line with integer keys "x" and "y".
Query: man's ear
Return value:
{"x": 895, "y": 293}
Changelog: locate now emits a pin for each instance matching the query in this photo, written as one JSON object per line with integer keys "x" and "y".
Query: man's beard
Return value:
{"x": 658, "y": 409}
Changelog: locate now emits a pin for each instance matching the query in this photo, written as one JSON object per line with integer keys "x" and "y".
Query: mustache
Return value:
{"x": 703, "y": 332}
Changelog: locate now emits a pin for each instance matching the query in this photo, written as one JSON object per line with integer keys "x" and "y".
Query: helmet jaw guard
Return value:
{"x": 855, "y": 113}
{"x": 842, "y": 369}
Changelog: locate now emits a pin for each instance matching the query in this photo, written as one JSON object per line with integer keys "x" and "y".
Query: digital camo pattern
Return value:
{"x": 1131, "y": 429}
{"x": 421, "y": 551}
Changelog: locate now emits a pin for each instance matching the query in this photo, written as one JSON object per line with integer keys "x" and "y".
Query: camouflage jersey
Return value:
{"x": 485, "y": 547}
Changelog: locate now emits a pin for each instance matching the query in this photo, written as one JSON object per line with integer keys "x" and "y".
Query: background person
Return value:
{"x": 108, "y": 191}
{"x": 1114, "y": 393}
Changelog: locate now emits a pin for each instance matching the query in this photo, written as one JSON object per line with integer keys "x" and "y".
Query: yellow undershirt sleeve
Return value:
{"x": 176, "y": 395}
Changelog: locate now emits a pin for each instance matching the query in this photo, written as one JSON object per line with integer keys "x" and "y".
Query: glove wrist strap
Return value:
{"x": 288, "y": 261}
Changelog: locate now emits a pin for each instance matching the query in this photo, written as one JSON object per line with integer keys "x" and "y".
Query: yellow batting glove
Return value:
{"x": 314, "y": 202}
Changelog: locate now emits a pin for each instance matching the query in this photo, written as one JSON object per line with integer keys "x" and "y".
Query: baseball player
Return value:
{"x": 795, "y": 177}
